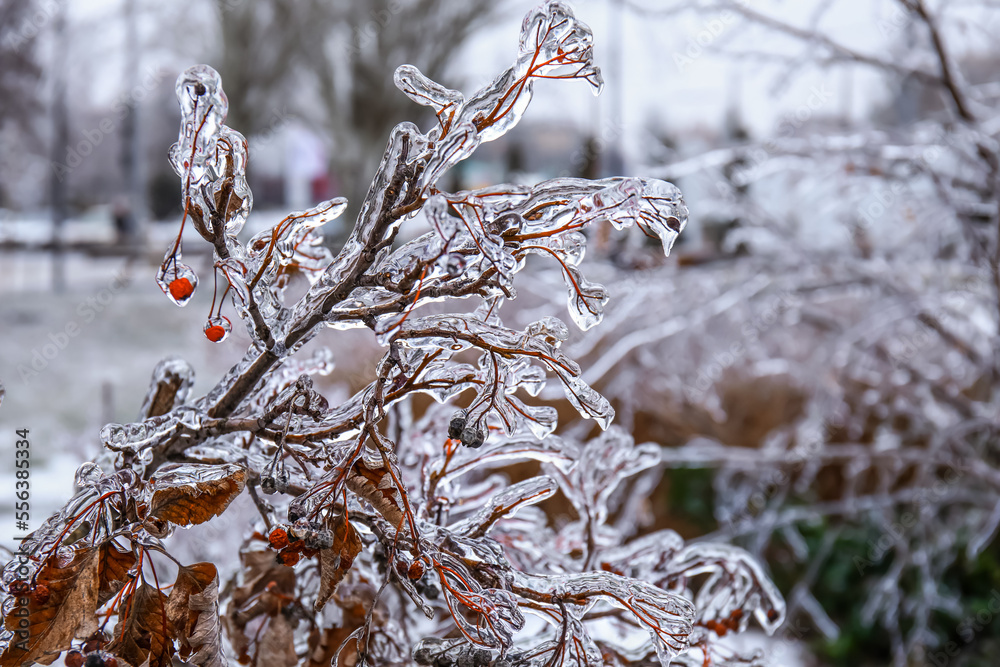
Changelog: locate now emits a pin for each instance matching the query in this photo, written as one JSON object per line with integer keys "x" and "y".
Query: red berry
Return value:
{"x": 215, "y": 333}
{"x": 73, "y": 659}
{"x": 416, "y": 570}
{"x": 111, "y": 661}
{"x": 181, "y": 289}
{"x": 278, "y": 539}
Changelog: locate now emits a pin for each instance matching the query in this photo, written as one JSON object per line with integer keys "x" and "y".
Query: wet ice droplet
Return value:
{"x": 178, "y": 281}
{"x": 88, "y": 475}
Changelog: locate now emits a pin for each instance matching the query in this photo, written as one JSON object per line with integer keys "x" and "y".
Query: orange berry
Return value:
{"x": 181, "y": 289}
{"x": 278, "y": 539}
{"x": 416, "y": 570}
{"x": 40, "y": 594}
{"x": 215, "y": 333}
{"x": 288, "y": 559}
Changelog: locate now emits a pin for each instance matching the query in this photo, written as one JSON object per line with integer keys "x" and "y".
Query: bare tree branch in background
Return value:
{"x": 348, "y": 52}
{"x": 19, "y": 70}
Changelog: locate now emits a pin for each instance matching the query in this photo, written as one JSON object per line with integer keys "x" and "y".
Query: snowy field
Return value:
{"x": 73, "y": 361}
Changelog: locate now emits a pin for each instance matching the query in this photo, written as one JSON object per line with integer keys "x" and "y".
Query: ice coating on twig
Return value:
{"x": 365, "y": 496}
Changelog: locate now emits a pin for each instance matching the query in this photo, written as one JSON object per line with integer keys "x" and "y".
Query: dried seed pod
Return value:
{"x": 473, "y": 437}
{"x": 297, "y": 509}
{"x": 457, "y": 424}
{"x": 276, "y": 482}
{"x": 416, "y": 570}
{"x": 319, "y": 539}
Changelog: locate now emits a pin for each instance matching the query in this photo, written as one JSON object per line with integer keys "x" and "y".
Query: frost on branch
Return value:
{"x": 370, "y": 512}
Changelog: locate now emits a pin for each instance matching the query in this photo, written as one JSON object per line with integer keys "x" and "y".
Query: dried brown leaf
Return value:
{"x": 113, "y": 566}
{"x": 266, "y": 585}
{"x": 66, "y": 611}
{"x": 335, "y": 562}
{"x": 193, "y": 610}
{"x": 375, "y": 485}
{"x": 144, "y": 632}
{"x": 194, "y": 493}
{"x": 276, "y": 647}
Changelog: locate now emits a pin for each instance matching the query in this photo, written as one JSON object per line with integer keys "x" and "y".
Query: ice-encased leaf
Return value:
{"x": 170, "y": 387}
{"x": 735, "y": 582}
{"x": 191, "y": 493}
{"x": 667, "y": 617}
{"x": 507, "y": 503}
{"x": 444, "y": 101}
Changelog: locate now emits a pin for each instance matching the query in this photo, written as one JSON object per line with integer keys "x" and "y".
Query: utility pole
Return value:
{"x": 60, "y": 140}
{"x": 131, "y": 162}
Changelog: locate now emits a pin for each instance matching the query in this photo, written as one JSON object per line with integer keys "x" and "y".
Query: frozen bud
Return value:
{"x": 88, "y": 475}
{"x": 473, "y": 437}
{"x": 422, "y": 655}
{"x": 157, "y": 527}
{"x": 300, "y": 528}
{"x": 276, "y": 482}
{"x": 455, "y": 265}
{"x": 457, "y": 424}
{"x": 319, "y": 539}
{"x": 296, "y": 509}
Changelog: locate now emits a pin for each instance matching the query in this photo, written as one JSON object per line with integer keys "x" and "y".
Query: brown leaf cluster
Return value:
{"x": 59, "y": 607}
{"x": 144, "y": 631}
{"x": 255, "y": 619}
